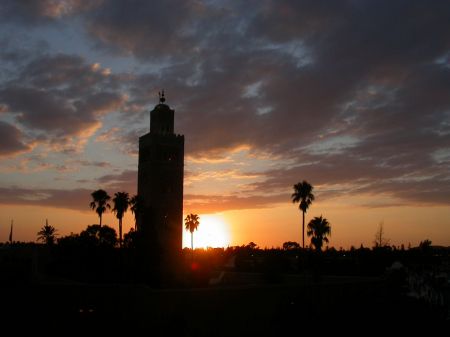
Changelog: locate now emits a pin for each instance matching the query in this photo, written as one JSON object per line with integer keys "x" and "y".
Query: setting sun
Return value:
{"x": 212, "y": 232}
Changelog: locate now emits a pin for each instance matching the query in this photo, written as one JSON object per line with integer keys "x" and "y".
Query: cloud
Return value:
{"x": 127, "y": 181}
{"x": 348, "y": 94}
{"x": 12, "y": 140}
{"x": 60, "y": 99}
{"x": 124, "y": 181}
{"x": 307, "y": 61}
{"x": 13, "y": 55}
{"x": 63, "y": 71}
{"x": 341, "y": 175}
{"x": 102, "y": 164}
{"x": 379, "y": 85}
{"x": 77, "y": 199}
{"x": 42, "y": 11}
{"x": 161, "y": 29}
{"x": 124, "y": 140}
{"x": 218, "y": 203}
{"x": 224, "y": 175}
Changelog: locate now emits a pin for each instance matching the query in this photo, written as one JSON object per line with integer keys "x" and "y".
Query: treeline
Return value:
{"x": 89, "y": 256}
{"x": 93, "y": 256}
{"x": 292, "y": 259}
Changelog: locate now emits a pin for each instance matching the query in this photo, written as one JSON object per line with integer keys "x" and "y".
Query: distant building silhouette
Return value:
{"x": 160, "y": 186}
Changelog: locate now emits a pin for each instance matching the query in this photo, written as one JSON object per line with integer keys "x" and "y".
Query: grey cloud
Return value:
{"x": 95, "y": 163}
{"x": 360, "y": 34}
{"x": 433, "y": 190}
{"x": 25, "y": 11}
{"x": 374, "y": 71}
{"x": 370, "y": 71}
{"x": 35, "y": 12}
{"x": 61, "y": 96}
{"x": 12, "y": 55}
{"x": 44, "y": 110}
{"x": 123, "y": 181}
{"x": 59, "y": 70}
{"x": 77, "y": 199}
{"x": 219, "y": 203}
{"x": 127, "y": 181}
{"x": 144, "y": 29}
{"x": 341, "y": 175}
{"x": 12, "y": 141}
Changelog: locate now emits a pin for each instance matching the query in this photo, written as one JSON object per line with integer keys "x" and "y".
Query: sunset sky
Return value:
{"x": 352, "y": 96}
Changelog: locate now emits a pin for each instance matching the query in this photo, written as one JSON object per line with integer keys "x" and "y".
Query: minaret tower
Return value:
{"x": 160, "y": 187}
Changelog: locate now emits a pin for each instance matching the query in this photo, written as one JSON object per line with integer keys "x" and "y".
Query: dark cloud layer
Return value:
{"x": 77, "y": 199}
{"x": 32, "y": 12}
{"x": 352, "y": 93}
{"x": 58, "y": 97}
{"x": 11, "y": 140}
{"x": 145, "y": 28}
{"x": 218, "y": 203}
{"x": 366, "y": 69}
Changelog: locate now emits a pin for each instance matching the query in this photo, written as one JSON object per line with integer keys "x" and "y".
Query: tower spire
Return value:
{"x": 162, "y": 99}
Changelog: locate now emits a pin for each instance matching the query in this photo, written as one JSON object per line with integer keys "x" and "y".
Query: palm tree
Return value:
{"x": 121, "y": 201}
{"x": 47, "y": 234}
{"x": 136, "y": 209}
{"x": 191, "y": 224}
{"x": 319, "y": 229}
{"x": 99, "y": 202}
{"x": 303, "y": 195}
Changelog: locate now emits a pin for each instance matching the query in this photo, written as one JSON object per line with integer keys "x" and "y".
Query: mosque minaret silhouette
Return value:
{"x": 160, "y": 186}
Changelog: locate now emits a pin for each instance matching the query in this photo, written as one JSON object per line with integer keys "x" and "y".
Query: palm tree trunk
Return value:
{"x": 100, "y": 216}
{"x": 192, "y": 246}
{"x": 303, "y": 231}
{"x": 120, "y": 232}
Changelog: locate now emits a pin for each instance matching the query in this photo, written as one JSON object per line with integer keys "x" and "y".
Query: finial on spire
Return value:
{"x": 162, "y": 99}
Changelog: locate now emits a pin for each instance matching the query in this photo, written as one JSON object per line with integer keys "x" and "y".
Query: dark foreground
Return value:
{"x": 349, "y": 305}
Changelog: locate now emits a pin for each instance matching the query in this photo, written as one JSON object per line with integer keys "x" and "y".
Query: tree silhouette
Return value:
{"x": 251, "y": 245}
{"x": 47, "y": 234}
{"x": 136, "y": 208}
{"x": 289, "y": 245}
{"x": 121, "y": 201}
{"x": 380, "y": 239}
{"x": 99, "y": 203}
{"x": 97, "y": 235}
{"x": 191, "y": 223}
{"x": 319, "y": 229}
{"x": 130, "y": 239}
{"x": 425, "y": 245}
{"x": 303, "y": 195}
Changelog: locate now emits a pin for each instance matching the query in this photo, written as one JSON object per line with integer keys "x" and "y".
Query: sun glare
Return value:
{"x": 212, "y": 232}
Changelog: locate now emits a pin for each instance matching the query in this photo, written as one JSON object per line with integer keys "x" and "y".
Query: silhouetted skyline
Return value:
{"x": 350, "y": 96}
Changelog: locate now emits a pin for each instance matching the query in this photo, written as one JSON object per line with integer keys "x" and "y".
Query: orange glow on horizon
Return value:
{"x": 267, "y": 227}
